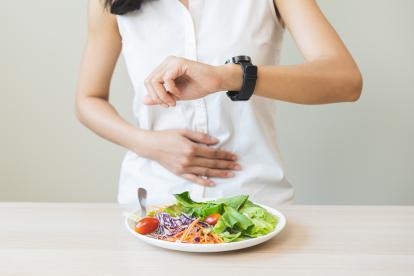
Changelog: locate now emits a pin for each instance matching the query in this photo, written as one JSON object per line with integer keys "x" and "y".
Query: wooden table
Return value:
{"x": 90, "y": 239}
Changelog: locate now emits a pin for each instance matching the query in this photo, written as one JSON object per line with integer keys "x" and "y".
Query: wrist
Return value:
{"x": 140, "y": 143}
{"x": 231, "y": 77}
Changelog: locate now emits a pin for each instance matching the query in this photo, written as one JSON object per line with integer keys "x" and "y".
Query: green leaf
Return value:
{"x": 236, "y": 218}
{"x": 174, "y": 210}
{"x": 264, "y": 222}
{"x": 211, "y": 208}
{"x": 220, "y": 226}
{"x": 229, "y": 237}
{"x": 232, "y": 220}
{"x": 185, "y": 200}
{"x": 197, "y": 209}
{"x": 240, "y": 218}
{"x": 235, "y": 202}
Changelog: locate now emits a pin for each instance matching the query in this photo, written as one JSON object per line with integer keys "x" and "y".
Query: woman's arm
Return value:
{"x": 329, "y": 73}
{"x": 101, "y": 54}
{"x": 182, "y": 151}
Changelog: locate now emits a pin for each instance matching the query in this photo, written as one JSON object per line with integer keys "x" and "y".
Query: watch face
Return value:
{"x": 238, "y": 59}
{"x": 241, "y": 59}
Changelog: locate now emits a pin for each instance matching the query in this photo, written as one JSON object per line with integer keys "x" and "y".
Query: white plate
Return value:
{"x": 130, "y": 224}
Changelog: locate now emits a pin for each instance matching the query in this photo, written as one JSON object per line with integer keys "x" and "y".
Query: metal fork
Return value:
{"x": 142, "y": 199}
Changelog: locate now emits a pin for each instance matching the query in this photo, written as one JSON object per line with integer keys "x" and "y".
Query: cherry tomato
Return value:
{"x": 147, "y": 225}
{"x": 212, "y": 219}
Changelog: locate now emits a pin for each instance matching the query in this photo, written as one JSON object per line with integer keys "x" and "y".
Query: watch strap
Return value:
{"x": 249, "y": 83}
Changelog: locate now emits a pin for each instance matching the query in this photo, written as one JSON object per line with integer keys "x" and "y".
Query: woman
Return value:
{"x": 191, "y": 134}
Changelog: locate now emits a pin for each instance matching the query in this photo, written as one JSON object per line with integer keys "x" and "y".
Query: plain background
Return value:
{"x": 347, "y": 153}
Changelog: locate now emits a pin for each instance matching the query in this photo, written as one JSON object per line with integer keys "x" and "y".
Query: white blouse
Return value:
{"x": 210, "y": 32}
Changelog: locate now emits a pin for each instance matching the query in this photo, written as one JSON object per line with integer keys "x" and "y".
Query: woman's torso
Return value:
{"x": 210, "y": 32}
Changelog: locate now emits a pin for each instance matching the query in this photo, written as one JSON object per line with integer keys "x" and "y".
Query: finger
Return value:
{"x": 200, "y": 137}
{"x": 175, "y": 98}
{"x": 214, "y": 153}
{"x": 162, "y": 93}
{"x": 216, "y": 164}
{"x": 156, "y": 98}
{"x": 157, "y": 80}
{"x": 153, "y": 98}
{"x": 203, "y": 171}
{"x": 198, "y": 180}
{"x": 149, "y": 101}
{"x": 170, "y": 86}
{"x": 150, "y": 88}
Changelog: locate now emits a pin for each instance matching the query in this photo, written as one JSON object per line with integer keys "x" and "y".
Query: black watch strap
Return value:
{"x": 249, "y": 81}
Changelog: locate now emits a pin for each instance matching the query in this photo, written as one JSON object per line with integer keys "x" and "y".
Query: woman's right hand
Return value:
{"x": 186, "y": 153}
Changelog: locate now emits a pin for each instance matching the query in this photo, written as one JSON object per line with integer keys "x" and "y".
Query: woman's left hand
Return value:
{"x": 182, "y": 79}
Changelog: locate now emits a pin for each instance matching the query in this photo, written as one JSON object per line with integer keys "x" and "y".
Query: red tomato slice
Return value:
{"x": 147, "y": 225}
{"x": 212, "y": 219}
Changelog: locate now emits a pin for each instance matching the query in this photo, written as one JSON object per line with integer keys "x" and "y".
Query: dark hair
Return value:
{"x": 123, "y": 6}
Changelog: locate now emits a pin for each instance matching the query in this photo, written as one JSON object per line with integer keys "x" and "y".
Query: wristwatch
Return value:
{"x": 249, "y": 78}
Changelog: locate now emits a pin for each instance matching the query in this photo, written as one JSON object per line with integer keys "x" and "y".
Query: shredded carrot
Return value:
{"x": 217, "y": 238}
{"x": 195, "y": 231}
{"x": 179, "y": 233}
{"x": 190, "y": 227}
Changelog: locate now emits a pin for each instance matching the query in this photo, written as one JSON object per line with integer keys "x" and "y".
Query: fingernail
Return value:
{"x": 211, "y": 183}
{"x": 234, "y": 157}
{"x": 214, "y": 139}
{"x": 237, "y": 167}
{"x": 230, "y": 174}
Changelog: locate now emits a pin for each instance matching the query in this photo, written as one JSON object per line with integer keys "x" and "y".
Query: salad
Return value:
{"x": 223, "y": 220}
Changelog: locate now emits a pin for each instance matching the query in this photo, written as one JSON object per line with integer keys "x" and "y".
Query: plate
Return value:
{"x": 130, "y": 224}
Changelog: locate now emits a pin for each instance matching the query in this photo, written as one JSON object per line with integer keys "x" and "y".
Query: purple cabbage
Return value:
{"x": 169, "y": 226}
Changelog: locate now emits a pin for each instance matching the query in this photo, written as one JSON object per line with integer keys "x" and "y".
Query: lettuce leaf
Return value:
{"x": 220, "y": 226}
{"x": 198, "y": 209}
{"x": 263, "y": 221}
{"x": 185, "y": 200}
{"x": 174, "y": 210}
{"x": 229, "y": 237}
{"x": 232, "y": 218}
{"x": 235, "y": 202}
{"x": 240, "y": 218}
